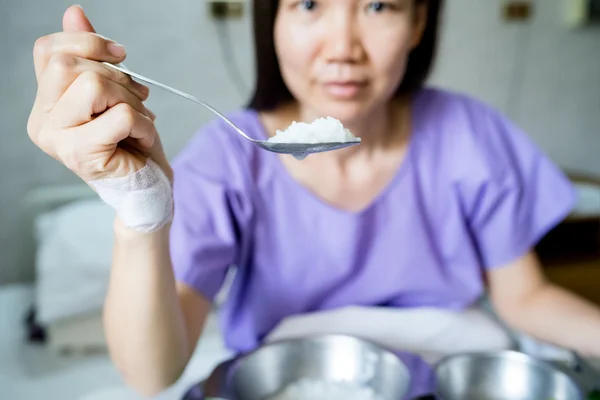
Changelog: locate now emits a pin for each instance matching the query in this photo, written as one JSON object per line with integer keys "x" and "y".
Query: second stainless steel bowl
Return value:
{"x": 502, "y": 375}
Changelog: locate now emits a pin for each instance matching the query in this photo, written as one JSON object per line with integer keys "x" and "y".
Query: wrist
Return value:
{"x": 124, "y": 234}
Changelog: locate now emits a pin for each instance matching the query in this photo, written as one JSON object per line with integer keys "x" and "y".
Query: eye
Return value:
{"x": 307, "y": 5}
{"x": 377, "y": 6}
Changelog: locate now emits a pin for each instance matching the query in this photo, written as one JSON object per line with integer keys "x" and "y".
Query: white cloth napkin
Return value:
{"x": 430, "y": 333}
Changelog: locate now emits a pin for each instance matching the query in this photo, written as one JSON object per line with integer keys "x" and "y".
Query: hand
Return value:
{"x": 86, "y": 115}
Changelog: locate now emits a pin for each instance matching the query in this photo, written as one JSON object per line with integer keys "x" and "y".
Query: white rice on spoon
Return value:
{"x": 322, "y": 130}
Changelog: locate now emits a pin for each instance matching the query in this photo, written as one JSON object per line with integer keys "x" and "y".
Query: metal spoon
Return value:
{"x": 298, "y": 150}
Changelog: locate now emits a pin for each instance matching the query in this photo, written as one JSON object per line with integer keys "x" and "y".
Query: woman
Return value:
{"x": 443, "y": 198}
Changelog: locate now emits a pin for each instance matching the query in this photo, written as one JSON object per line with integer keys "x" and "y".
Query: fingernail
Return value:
{"x": 116, "y": 50}
{"x": 144, "y": 90}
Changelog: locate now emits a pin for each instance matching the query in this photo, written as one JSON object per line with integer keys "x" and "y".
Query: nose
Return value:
{"x": 342, "y": 39}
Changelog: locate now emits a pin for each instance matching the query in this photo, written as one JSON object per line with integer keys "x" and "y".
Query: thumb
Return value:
{"x": 74, "y": 20}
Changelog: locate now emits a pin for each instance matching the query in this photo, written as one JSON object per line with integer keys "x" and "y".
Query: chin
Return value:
{"x": 349, "y": 109}
{"x": 347, "y": 112}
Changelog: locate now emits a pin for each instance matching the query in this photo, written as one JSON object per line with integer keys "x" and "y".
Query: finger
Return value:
{"x": 81, "y": 44}
{"x": 157, "y": 154}
{"x": 89, "y": 95}
{"x": 63, "y": 70}
{"x": 119, "y": 123}
{"x": 74, "y": 19}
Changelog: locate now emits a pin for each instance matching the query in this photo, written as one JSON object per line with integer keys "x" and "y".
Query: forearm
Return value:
{"x": 143, "y": 318}
{"x": 557, "y": 316}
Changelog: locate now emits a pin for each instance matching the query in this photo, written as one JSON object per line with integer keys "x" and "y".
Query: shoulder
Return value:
{"x": 217, "y": 138}
{"x": 217, "y": 152}
{"x": 462, "y": 119}
{"x": 477, "y": 140}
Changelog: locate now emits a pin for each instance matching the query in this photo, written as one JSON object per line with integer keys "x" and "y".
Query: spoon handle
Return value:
{"x": 121, "y": 68}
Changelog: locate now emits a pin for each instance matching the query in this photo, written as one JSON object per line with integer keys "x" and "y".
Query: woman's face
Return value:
{"x": 345, "y": 58}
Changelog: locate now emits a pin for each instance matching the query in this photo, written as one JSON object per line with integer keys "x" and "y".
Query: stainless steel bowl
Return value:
{"x": 268, "y": 370}
{"x": 502, "y": 375}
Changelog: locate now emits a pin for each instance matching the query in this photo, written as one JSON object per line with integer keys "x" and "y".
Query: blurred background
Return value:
{"x": 536, "y": 61}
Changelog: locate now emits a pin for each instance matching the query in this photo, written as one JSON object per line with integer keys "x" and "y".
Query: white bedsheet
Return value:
{"x": 31, "y": 372}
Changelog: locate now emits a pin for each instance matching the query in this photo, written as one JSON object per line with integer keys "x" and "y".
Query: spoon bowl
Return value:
{"x": 301, "y": 150}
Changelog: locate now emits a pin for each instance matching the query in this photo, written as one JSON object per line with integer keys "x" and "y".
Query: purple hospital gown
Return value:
{"x": 473, "y": 193}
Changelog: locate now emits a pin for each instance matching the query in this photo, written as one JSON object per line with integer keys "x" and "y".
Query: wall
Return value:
{"x": 544, "y": 76}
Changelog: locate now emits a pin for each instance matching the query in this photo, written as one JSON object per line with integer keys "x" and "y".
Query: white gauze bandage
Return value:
{"x": 143, "y": 200}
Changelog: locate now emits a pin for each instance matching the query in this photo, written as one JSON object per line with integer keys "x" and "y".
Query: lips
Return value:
{"x": 343, "y": 89}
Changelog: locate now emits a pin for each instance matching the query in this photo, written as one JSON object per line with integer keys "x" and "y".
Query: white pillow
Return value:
{"x": 73, "y": 259}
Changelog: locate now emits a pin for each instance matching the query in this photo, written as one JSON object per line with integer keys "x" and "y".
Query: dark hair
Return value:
{"x": 271, "y": 91}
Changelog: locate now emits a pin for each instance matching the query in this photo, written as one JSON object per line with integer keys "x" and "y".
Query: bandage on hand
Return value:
{"x": 143, "y": 200}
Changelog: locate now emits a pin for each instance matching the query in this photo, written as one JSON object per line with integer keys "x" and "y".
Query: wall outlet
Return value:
{"x": 516, "y": 11}
{"x": 226, "y": 9}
